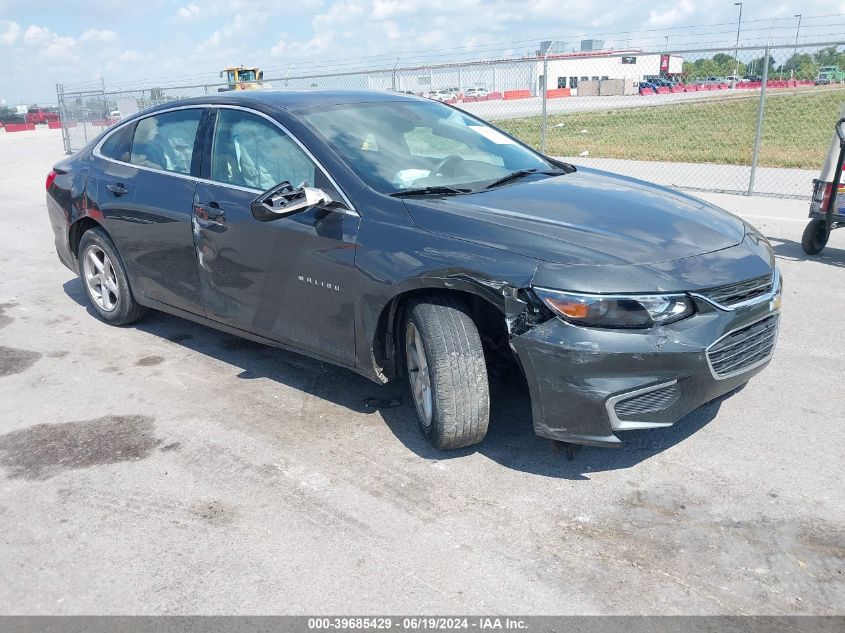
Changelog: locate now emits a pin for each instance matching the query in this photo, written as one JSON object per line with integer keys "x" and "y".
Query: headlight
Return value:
{"x": 617, "y": 311}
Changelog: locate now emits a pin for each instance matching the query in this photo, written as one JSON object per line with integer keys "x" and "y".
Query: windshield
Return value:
{"x": 247, "y": 75}
{"x": 399, "y": 145}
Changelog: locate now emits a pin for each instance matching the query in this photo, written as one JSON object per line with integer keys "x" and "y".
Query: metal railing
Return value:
{"x": 748, "y": 119}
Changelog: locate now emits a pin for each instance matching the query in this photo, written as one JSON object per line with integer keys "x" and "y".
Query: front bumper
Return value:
{"x": 588, "y": 384}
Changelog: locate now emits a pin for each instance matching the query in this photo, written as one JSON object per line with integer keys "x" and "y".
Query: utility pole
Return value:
{"x": 795, "y": 49}
{"x": 544, "y": 125}
{"x": 761, "y": 111}
{"x": 736, "y": 46}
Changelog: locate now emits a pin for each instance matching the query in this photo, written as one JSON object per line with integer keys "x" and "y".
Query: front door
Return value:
{"x": 288, "y": 279}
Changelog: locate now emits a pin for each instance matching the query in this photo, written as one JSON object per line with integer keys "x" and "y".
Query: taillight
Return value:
{"x": 50, "y": 178}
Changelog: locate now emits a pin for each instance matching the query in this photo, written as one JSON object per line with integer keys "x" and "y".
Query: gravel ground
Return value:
{"x": 169, "y": 468}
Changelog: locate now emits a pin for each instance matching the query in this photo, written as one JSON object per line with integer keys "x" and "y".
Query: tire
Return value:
{"x": 453, "y": 363}
{"x": 105, "y": 281}
{"x": 815, "y": 236}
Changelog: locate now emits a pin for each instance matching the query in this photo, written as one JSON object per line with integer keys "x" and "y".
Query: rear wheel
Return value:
{"x": 815, "y": 236}
{"x": 105, "y": 280}
{"x": 446, "y": 371}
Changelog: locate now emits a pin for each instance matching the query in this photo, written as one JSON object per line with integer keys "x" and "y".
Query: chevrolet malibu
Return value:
{"x": 402, "y": 238}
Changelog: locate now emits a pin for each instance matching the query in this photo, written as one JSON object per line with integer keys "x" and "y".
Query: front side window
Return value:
{"x": 166, "y": 141}
{"x": 250, "y": 151}
{"x": 399, "y": 145}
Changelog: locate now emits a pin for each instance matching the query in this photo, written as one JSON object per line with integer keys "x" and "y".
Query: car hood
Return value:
{"x": 587, "y": 217}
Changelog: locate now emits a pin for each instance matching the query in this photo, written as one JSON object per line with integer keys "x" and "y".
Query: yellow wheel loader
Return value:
{"x": 240, "y": 78}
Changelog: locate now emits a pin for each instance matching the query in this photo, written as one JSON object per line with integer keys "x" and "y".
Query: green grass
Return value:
{"x": 797, "y": 129}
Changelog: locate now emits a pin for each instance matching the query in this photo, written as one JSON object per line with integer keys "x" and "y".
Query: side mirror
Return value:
{"x": 284, "y": 200}
{"x": 260, "y": 74}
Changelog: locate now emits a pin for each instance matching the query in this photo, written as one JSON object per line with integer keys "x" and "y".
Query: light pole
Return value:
{"x": 795, "y": 49}
{"x": 667, "y": 43}
{"x": 736, "y": 47}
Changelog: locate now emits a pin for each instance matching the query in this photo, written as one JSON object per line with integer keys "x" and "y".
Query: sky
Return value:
{"x": 43, "y": 43}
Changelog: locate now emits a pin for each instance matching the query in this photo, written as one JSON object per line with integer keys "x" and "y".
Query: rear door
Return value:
{"x": 146, "y": 176}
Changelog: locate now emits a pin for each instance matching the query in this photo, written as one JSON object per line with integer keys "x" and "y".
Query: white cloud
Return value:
{"x": 384, "y": 9}
{"x": 125, "y": 58}
{"x": 57, "y": 48}
{"x": 676, "y": 14}
{"x": 10, "y": 33}
{"x": 212, "y": 42}
{"x": 97, "y": 35}
{"x": 49, "y": 46}
{"x": 391, "y": 30}
{"x": 188, "y": 11}
{"x": 36, "y": 34}
{"x": 281, "y": 47}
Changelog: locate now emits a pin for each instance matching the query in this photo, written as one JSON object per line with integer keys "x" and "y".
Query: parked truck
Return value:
{"x": 41, "y": 115}
{"x": 829, "y": 75}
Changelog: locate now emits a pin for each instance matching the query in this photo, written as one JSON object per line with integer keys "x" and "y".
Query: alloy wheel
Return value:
{"x": 100, "y": 278}
{"x": 418, "y": 374}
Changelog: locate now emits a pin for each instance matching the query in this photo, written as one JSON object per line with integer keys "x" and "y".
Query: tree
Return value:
{"x": 830, "y": 56}
{"x": 720, "y": 65}
{"x": 808, "y": 70}
{"x": 700, "y": 68}
{"x": 796, "y": 61}
{"x": 755, "y": 66}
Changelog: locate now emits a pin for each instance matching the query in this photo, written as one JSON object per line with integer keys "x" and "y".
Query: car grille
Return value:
{"x": 732, "y": 294}
{"x": 743, "y": 349}
{"x": 649, "y": 402}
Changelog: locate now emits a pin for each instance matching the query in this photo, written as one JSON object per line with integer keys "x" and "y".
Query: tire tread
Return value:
{"x": 458, "y": 370}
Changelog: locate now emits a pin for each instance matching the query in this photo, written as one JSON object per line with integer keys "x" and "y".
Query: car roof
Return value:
{"x": 290, "y": 98}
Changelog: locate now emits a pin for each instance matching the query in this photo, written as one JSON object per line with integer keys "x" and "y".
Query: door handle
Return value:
{"x": 117, "y": 188}
{"x": 209, "y": 211}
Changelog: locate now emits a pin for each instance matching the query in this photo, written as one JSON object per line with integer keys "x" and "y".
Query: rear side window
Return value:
{"x": 117, "y": 145}
{"x": 166, "y": 141}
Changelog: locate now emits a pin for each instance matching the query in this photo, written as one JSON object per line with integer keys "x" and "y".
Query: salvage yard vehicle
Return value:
{"x": 240, "y": 78}
{"x": 827, "y": 206}
{"x": 829, "y": 75}
{"x": 444, "y": 94}
{"x": 41, "y": 116}
{"x": 406, "y": 239}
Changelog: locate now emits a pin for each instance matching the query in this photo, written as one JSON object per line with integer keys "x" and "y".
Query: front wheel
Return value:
{"x": 446, "y": 371}
{"x": 815, "y": 236}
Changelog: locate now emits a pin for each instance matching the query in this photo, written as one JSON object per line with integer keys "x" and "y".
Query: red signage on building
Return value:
{"x": 664, "y": 63}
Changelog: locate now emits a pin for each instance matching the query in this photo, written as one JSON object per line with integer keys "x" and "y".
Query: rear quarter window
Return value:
{"x": 117, "y": 145}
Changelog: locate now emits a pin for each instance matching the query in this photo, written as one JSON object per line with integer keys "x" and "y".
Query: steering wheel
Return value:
{"x": 451, "y": 161}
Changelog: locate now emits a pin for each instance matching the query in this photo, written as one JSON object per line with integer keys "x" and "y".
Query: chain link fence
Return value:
{"x": 750, "y": 120}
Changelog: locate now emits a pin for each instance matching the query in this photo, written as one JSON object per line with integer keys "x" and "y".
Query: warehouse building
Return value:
{"x": 571, "y": 69}
{"x": 566, "y": 70}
